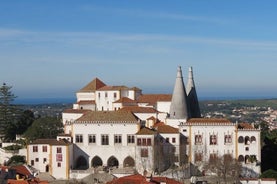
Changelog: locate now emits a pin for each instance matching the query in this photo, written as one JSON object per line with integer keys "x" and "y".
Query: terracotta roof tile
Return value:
{"x": 50, "y": 142}
{"x": 95, "y": 84}
{"x": 117, "y": 88}
{"x": 245, "y": 126}
{"x": 154, "y": 98}
{"x": 86, "y": 102}
{"x": 209, "y": 121}
{"x": 146, "y": 131}
{"x": 137, "y": 109}
{"x": 166, "y": 129}
{"x": 78, "y": 111}
{"x": 125, "y": 100}
{"x": 108, "y": 116}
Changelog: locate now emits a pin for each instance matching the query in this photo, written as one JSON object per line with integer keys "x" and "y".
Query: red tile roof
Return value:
{"x": 137, "y": 109}
{"x": 139, "y": 179}
{"x": 146, "y": 131}
{"x": 51, "y": 142}
{"x": 209, "y": 121}
{"x": 125, "y": 100}
{"x": 111, "y": 88}
{"x": 108, "y": 117}
{"x": 77, "y": 111}
{"x": 245, "y": 126}
{"x": 86, "y": 102}
{"x": 95, "y": 84}
{"x": 166, "y": 129}
{"x": 152, "y": 99}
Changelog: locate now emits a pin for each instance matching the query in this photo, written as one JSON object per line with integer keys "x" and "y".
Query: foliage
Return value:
{"x": 8, "y": 112}
{"x": 270, "y": 173}
{"x": 16, "y": 160}
{"x": 45, "y": 127}
{"x": 224, "y": 166}
{"x": 13, "y": 147}
{"x": 269, "y": 151}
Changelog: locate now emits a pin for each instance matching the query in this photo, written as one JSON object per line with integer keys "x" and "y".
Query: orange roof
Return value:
{"x": 154, "y": 98}
{"x": 51, "y": 142}
{"x": 95, "y": 84}
{"x": 80, "y": 111}
{"x": 245, "y": 126}
{"x": 137, "y": 109}
{"x": 86, "y": 102}
{"x": 108, "y": 116}
{"x": 117, "y": 88}
{"x": 209, "y": 121}
{"x": 166, "y": 129}
{"x": 146, "y": 131}
{"x": 139, "y": 179}
{"x": 125, "y": 100}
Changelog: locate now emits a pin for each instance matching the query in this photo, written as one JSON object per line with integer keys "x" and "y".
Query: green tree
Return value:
{"x": 45, "y": 127}
{"x": 8, "y": 111}
{"x": 270, "y": 173}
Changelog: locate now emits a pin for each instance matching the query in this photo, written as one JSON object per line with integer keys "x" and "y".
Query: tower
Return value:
{"x": 192, "y": 97}
{"x": 179, "y": 107}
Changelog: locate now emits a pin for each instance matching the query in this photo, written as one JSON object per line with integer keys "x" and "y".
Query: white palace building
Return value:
{"x": 120, "y": 127}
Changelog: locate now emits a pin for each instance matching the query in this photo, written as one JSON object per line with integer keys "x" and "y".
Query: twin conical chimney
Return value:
{"x": 179, "y": 107}
{"x": 184, "y": 102}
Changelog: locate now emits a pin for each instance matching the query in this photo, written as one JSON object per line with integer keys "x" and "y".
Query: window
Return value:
{"x": 167, "y": 139}
{"x": 139, "y": 141}
{"x": 247, "y": 140}
{"x": 253, "y": 139}
{"x": 144, "y": 152}
{"x": 79, "y": 138}
{"x": 198, "y": 157}
{"x": 59, "y": 157}
{"x": 105, "y": 139}
{"x": 44, "y": 160}
{"x": 117, "y": 139}
{"x": 35, "y": 148}
{"x": 227, "y": 139}
{"x": 106, "y": 94}
{"x": 59, "y": 150}
{"x": 91, "y": 138}
{"x": 37, "y": 159}
{"x": 148, "y": 141}
{"x": 99, "y": 95}
{"x": 44, "y": 148}
{"x": 130, "y": 139}
{"x": 59, "y": 164}
{"x": 246, "y": 148}
{"x": 144, "y": 142}
{"x": 241, "y": 139}
{"x": 32, "y": 162}
{"x": 198, "y": 139}
{"x": 184, "y": 130}
{"x": 173, "y": 140}
{"x": 241, "y": 158}
{"x": 213, "y": 140}
{"x": 114, "y": 95}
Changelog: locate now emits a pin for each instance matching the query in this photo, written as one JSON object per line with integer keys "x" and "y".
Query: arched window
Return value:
{"x": 241, "y": 158}
{"x": 247, "y": 140}
{"x": 253, "y": 139}
{"x": 241, "y": 139}
{"x": 129, "y": 162}
{"x": 112, "y": 162}
{"x": 96, "y": 161}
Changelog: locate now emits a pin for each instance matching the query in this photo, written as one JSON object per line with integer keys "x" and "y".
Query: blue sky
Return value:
{"x": 53, "y": 48}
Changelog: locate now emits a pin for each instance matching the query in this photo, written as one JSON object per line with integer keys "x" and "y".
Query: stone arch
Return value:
{"x": 129, "y": 162}
{"x": 96, "y": 161}
{"x": 112, "y": 162}
{"x": 81, "y": 163}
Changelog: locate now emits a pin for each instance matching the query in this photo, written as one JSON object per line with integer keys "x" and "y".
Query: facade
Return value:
{"x": 51, "y": 155}
{"x": 118, "y": 126}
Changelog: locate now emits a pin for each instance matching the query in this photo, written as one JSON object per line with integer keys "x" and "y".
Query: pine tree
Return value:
{"x": 8, "y": 111}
